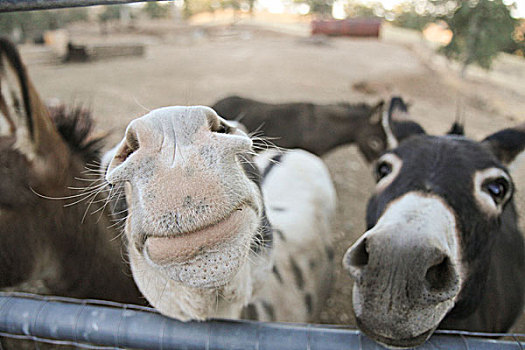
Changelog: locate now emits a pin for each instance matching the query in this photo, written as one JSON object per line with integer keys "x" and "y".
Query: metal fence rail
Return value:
{"x": 103, "y": 324}
{"x": 29, "y": 5}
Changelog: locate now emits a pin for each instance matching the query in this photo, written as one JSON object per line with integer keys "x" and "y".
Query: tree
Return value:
{"x": 358, "y": 9}
{"x": 192, "y": 7}
{"x": 32, "y": 24}
{"x": 481, "y": 29}
{"x": 156, "y": 10}
{"x": 111, "y": 12}
{"x": 517, "y": 47}
{"x": 320, "y": 7}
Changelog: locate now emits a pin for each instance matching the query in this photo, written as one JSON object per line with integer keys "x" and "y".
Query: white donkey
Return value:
{"x": 216, "y": 231}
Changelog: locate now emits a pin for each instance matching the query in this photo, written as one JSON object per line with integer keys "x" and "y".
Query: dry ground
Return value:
{"x": 199, "y": 65}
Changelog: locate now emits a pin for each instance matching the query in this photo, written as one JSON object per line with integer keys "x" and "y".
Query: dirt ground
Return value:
{"x": 198, "y": 65}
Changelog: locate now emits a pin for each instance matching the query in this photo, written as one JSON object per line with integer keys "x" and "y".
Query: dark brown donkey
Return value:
{"x": 319, "y": 128}
{"x": 443, "y": 248}
{"x": 46, "y": 246}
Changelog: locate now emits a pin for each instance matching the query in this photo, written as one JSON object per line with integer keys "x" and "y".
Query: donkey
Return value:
{"x": 443, "y": 248}
{"x": 48, "y": 248}
{"x": 216, "y": 231}
{"x": 318, "y": 128}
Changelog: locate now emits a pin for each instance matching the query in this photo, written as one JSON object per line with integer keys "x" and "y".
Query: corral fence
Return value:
{"x": 30, "y": 5}
{"x": 94, "y": 324}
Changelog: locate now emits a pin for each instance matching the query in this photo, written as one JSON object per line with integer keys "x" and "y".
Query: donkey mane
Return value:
{"x": 75, "y": 125}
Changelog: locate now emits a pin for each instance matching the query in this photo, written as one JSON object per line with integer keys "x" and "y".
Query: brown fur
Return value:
{"x": 318, "y": 128}
{"x": 46, "y": 247}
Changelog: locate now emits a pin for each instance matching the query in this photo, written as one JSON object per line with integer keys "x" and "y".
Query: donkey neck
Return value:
{"x": 91, "y": 251}
{"x": 64, "y": 257}
{"x": 88, "y": 248}
{"x": 501, "y": 298}
{"x": 342, "y": 128}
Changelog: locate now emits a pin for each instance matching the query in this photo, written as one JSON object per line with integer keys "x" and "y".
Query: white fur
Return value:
{"x": 405, "y": 222}
{"x": 408, "y": 217}
{"x": 301, "y": 185}
{"x": 391, "y": 140}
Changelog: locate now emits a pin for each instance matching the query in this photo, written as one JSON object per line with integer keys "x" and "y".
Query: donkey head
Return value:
{"x": 371, "y": 137}
{"x": 439, "y": 207}
{"x": 193, "y": 203}
{"x": 47, "y": 247}
{"x": 33, "y": 158}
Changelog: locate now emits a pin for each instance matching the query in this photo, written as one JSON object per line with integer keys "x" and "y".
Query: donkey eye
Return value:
{"x": 375, "y": 143}
{"x": 383, "y": 169}
{"x": 497, "y": 189}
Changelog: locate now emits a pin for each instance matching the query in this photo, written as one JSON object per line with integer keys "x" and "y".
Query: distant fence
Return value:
{"x": 29, "y": 5}
{"x": 105, "y": 325}
{"x": 84, "y": 53}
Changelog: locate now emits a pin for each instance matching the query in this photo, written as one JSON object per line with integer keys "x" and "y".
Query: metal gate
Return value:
{"x": 96, "y": 324}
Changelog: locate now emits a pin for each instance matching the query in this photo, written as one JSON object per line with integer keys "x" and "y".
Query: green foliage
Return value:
{"x": 412, "y": 20}
{"x": 416, "y": 14}
{"x": 321, "y": 7}
{"x": 33, "y": 23}
{"x": 356, "y": 9}
{"x": 517, "y": 46}
{"x": 192, "y": 7}
{"x": 481, "y": 28}
{"x": 111, "y": 12}
{"x": 234, "y": 4}
{"x": 155, "y": 10}
{"x": 251, "y": 4}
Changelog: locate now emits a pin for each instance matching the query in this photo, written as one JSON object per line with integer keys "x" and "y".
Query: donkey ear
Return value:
{"x": 25, "y": 123}
{"x": 382, "y": 118}
{"x": 396, "y": 123}
{"x": 15, "y": 108}
{"x": 23, "y": 116}
{"x": 398, "y": 108}
{"x": 387, "y": 122}
{"x": 457, "y": 129}
{"x": 376, "y": 113}
{"x": 508, "y": 144}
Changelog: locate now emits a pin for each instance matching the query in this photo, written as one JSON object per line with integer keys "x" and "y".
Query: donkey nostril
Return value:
{"x": 358, "y": 256}
{"x": 223, "y": 129}
{"x": 132, "y": 140}
{"x": 131, "y": 145}
{"x": 217, "y": 125}
{"x": 441, "y": 277}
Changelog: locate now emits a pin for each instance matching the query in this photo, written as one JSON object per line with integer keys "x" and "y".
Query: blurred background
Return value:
{"x": 447, "y": 58}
